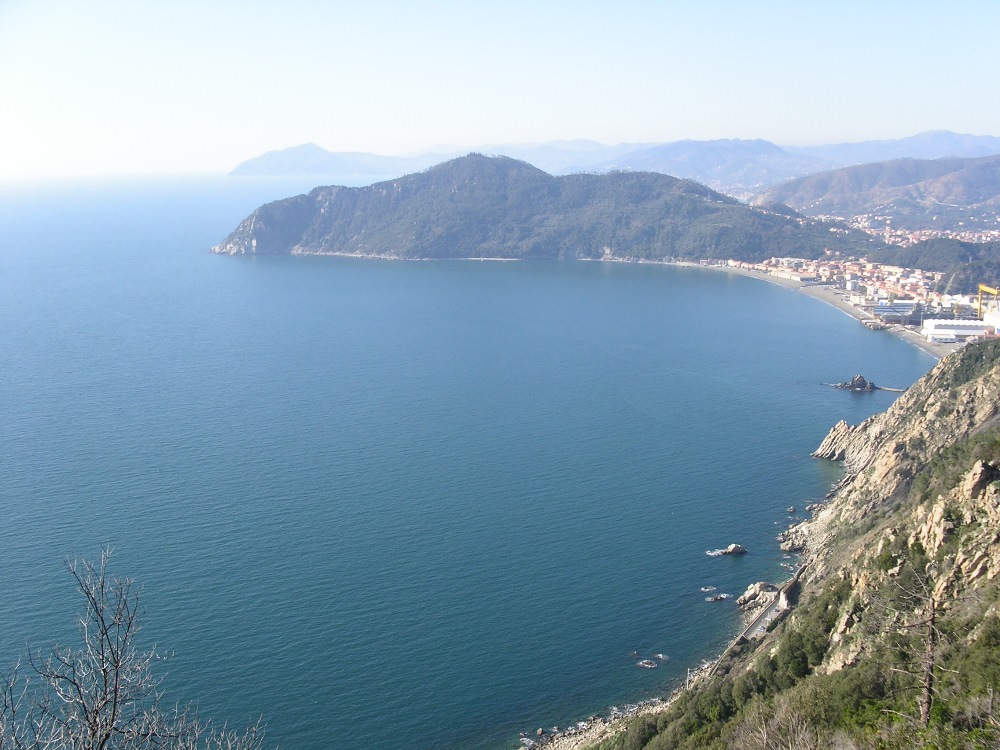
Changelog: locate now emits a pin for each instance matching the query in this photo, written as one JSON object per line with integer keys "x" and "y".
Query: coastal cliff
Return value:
{"x": 883, "y": 455}
{"x": 893, "y": 640}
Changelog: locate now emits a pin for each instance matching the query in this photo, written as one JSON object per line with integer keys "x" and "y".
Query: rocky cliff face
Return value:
{"x": 958, "y": 398}
{"x": 273, "y": 228}
{"x": 893, "y": 637}
{"x": 923, "y": 476}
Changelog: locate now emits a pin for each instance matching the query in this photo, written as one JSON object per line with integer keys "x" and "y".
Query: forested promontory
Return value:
{"x": 496, "y": 207}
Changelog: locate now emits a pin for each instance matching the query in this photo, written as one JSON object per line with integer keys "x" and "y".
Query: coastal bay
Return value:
{"x": 461, "y": 493}
{"x": 831, "y": 296}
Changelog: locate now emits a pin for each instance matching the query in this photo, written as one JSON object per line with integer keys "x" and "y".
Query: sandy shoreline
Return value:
{"x": 828, "y": 295}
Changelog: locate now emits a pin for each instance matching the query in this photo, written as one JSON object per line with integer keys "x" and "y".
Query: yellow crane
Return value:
{"x": 987, "y": 290}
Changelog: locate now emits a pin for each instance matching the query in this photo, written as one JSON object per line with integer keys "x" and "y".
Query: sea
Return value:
{"x": 381, "y": 503}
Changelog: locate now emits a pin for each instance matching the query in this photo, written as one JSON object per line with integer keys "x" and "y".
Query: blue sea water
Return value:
{"x": 374, "y": 500}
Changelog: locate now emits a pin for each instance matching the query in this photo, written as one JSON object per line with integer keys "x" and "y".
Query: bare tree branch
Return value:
{"x": 103, "y": 694}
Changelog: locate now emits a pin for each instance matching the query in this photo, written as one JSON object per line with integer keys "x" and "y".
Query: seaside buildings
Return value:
{"x": 889, "y": 295}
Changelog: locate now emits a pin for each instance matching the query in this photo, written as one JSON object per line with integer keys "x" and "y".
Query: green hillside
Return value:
{"x": 965, "y": 265}
{"x": 949, "y": 194}
{"x": 496, "y": 207}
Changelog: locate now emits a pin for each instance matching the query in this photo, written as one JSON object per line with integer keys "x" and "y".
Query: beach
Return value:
{"x": 830, "y": 295}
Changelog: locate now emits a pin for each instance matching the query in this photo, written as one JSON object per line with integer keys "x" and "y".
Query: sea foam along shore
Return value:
{"x": 587, "y": 734}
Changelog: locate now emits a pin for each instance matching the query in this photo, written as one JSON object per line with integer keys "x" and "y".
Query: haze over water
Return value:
{"x": 367, "y": 500}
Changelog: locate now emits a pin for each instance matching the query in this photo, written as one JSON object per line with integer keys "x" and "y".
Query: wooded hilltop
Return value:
{"x": 496, "y": 207}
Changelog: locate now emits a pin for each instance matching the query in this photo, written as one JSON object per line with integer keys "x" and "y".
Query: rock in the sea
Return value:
{"x": 857, "y": 383}
{"x": 732, "y": 549}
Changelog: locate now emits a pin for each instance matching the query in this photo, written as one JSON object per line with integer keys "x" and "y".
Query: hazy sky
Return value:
{"x": 146, "y": 86}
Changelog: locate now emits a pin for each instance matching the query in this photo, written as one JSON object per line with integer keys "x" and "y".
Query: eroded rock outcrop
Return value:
{"x": 922, "y": 481}
{"x": 756, "y": 598}
{"x": 881, "y": 455}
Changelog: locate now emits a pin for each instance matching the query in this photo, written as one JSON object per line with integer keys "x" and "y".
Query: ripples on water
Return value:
{"x": 372, "y": 500}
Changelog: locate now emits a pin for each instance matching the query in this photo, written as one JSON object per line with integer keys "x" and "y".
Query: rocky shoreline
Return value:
{"x": 800, "y": 538}
{"x": 873, "y": 456}
{"x": 597, "y": 728}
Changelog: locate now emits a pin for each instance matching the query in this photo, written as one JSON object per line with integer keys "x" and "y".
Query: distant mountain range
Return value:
{"x": 310, "y": 159}
{"x": 736, "y": 167}
{"x": 918, "y": 193}
{"x": 497, "y": 207}
{"x": 933, "y": 144}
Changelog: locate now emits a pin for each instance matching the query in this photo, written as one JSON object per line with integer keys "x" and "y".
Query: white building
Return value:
{"x": 947, "y": 331}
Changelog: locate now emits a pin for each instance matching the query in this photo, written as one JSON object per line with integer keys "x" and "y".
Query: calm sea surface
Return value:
{"x": 380, "y": 500}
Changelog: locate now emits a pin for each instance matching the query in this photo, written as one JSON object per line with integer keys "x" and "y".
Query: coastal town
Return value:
{"x": 904, "y": 300}
{"x": 879, "y": 224}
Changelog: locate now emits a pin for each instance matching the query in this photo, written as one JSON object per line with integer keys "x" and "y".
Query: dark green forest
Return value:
{"x": 496, "y": 207}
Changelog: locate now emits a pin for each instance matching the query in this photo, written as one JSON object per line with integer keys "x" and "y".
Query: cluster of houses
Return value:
{"x": 890, "y": 295}
{"x": 880, "y": 226}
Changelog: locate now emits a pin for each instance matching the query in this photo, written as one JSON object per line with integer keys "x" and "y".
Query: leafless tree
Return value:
{"x": 915, "y": 617}
{"x": 103, "y": 693}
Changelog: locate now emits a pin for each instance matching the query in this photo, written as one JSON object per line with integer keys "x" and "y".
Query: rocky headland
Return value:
{"x": 892, "y": 639}
{"x": 756, "y": 598}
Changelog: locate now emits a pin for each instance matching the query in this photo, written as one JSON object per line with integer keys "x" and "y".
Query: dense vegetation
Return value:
{"x": 478, "y": 206}
{"x": 776, "y": 698}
